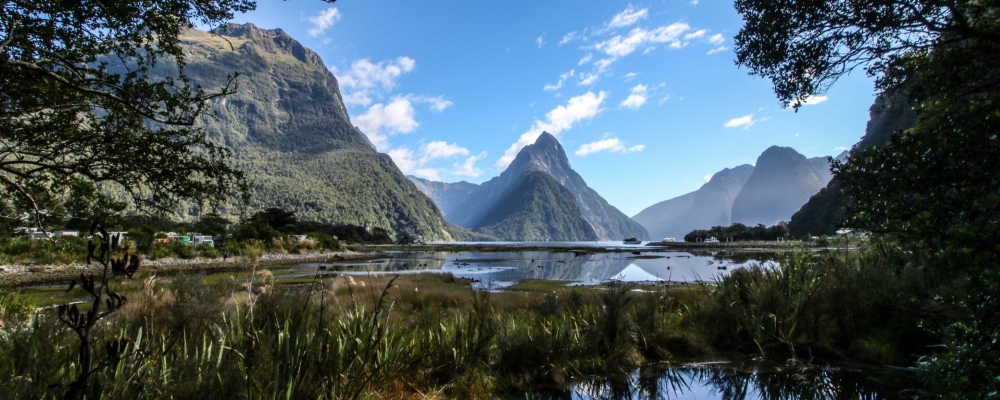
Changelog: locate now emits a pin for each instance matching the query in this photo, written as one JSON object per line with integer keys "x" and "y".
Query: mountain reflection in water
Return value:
{"x": 501, "y": 268}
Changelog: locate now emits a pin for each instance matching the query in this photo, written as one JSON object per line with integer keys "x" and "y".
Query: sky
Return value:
{"x": 645, "y": 97}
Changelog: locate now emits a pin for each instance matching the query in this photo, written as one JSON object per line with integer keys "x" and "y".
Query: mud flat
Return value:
{"x": 20, "y": 275}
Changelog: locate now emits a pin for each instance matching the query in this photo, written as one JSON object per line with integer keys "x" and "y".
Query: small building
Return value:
{"x": 851, "y": 233}
{"x": 669, "y": 240}
{"x": 66, "y": 233}
{"x": 712, "y": 240}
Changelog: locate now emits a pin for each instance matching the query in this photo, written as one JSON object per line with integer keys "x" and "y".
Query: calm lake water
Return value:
{"x": 589, "y": 265}
{"x": 736, "y": 381}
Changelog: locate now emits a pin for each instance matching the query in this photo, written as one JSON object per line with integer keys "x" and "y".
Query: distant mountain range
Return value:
{"x": 768, "y": 193}
{"x": 289, "y": 131}
{"x": 824, "y": 211}
{"x": 538, "y": 197}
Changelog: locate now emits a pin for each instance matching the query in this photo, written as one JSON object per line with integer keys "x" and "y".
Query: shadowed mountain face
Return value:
{"x": 289, "y": 130}
{"x": 489, "y": 203}
{"x": 767, "y": 193}
{"x": 447, "y": 196}
{"x": 711, "y": 205}
{"x": 537, "y": 208}
{"x": 782, "y": 181}
{"x": 824, "y": 211}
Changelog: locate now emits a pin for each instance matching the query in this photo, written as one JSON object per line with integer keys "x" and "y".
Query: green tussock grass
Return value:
{"x": 380, "y": 336}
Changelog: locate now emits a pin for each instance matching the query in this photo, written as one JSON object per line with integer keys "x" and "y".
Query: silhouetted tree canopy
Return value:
{"x": 79, "y": 107}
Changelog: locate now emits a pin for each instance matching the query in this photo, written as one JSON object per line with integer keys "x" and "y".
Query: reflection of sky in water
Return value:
{"x": 729, "y": 382}
{"x": 503, "y": 267}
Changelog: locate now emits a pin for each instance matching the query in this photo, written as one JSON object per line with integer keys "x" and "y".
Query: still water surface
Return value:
{"x": 497, "y": 269}
{"x": 738, "y": 381}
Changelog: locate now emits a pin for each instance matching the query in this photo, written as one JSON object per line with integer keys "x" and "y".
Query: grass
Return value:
{"x": 379, "y": 336}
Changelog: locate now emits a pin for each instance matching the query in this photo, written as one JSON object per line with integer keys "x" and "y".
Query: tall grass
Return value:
{"x": 430, "y": 335}
{"x": 866, "y": 306}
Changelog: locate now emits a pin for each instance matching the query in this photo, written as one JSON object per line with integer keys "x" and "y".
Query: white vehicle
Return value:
{"x": 204, "y": 240}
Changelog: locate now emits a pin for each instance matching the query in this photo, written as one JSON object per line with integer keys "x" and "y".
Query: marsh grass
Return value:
{"x": 379, "y": 336}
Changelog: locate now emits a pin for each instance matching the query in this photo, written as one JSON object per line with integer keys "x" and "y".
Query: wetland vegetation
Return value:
{"x": 413, "y": 335}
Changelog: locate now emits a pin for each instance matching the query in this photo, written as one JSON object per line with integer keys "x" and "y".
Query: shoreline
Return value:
{"x": 25, "y": 275}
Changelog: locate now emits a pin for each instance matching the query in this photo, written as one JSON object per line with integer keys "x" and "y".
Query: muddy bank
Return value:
{"x": 21, "y": 275}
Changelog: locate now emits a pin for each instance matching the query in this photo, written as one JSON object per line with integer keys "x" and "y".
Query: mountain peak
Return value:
{"x": 546, "y": 139}
{"x": 274, "y": 41}
{"x": 547, "y": 142}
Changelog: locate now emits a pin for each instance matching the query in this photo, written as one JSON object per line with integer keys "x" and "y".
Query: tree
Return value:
{"x": 935, "y": 186}
{"x": 78, "y": 104}
{"x": 805, "y": 46}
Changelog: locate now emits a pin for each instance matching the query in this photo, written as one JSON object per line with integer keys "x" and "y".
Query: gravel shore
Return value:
{"x": 21, "y": 275}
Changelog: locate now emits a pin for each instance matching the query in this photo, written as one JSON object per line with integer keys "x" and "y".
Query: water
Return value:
{"x": 581, "y": 266}
{"x": 737, "y": 381}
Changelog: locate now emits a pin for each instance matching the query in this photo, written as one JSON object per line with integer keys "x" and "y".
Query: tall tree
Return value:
{"x": 935, "y": 186}
{"x": 77, "y": 103}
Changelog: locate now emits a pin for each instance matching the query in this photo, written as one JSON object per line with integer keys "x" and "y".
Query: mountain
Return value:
{"x": 711, "y": 205}
{"x": 447, "y": 196}
{"x": 492, "y": 202}
{"x": 824, "y": 211}
{"x": 781, "y": 182}
{"x": 538, "y": 208}
{"x": 288, "y": 129}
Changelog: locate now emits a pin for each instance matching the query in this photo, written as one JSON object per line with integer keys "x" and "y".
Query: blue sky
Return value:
{"x": 644, "y": 96}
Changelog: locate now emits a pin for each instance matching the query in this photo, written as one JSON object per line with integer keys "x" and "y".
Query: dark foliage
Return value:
{"x": 739, "y": 232}
{"x": 80, "y": 107}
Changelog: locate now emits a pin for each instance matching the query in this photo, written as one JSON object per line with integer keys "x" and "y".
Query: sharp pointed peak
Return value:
{"x": 546, "y": 138}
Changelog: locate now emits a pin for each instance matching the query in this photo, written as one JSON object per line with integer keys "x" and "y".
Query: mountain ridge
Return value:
{"x": 288, "y": 129}
{"x": 546, "y": 155}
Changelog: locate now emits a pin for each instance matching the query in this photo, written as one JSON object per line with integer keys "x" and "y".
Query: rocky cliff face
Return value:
{"x": 289, "y": 130}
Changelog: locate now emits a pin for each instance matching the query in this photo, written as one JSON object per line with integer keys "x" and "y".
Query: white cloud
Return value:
{"x": 384, "y": 120}
{"x": 695, "y": 2}
{"x": 717, "y": 49}
{"x": 744, "y": 122}
{"x": 567, "y": 38}
{"x": 540, "y": 41}
{"x": 440, "y": 149}
{"x": 561, "y": 118}
{"x": 611, "y": 145}
{"x": 367, "y": 75}
{"x": 562, "y": 78}
{"x": 621, "y": 46}
{"x": 636, "y": 99}
{"x": 603, "y": 64}
{"x": 323, "y": 21}
{"x": 717, "y": 39}
{"x": 696, "y": 34}
{"x": 813, "y": 100}
{"x": 585, "y": 59}
{"x": 840, "y": 149}
{"x": 404, "y": 159}
{"x": 437, "y": 103}
{"x": 588, "y": 79}
{"x": 412, "y": 163}
{"x": 708, "y": 177}
{"x": 364, "y": 78}
{"x": 468, "y": 167}
{"x": 629, "y": 17}
{"x": 630, "y": 76}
